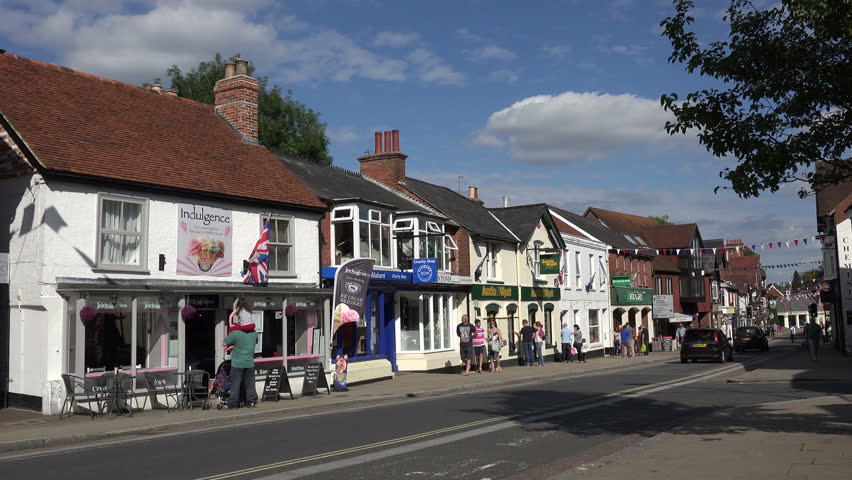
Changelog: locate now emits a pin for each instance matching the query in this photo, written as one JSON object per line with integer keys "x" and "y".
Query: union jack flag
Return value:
{"x": 259, "y": 259}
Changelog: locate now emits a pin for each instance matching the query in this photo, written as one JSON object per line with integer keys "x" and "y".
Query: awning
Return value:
{"x": 679, "y": 317}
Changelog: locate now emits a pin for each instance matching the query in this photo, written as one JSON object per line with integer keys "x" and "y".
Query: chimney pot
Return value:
{"x": 242, "y": 66}
{"x": 471, "y": 193}
{"x": 378, "y": 136}
{"x": 171, "y": 92}
{"x": 395, "y": 140}
{"x": 505, "y": 201}
{"x": 230, "y": 69}
{"x": 156, "y": 87}
{"x": 388, "y": 142}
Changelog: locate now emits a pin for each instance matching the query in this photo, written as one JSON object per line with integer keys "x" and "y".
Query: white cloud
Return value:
{"x": 434, "y": 69}
{"x": 490, "y": 52}
{"x": 553, "y": 129}
{"x": 505, "y": 76}
{"x": 466, "y": 34}
{"x": 395, "y": 39}
{"x": 557, "y": 51}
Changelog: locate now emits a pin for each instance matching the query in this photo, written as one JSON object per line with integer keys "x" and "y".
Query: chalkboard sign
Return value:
{"x": 667, "y": 344}
{"x": 314, "y": 378}
{"x": 276, "y": 381}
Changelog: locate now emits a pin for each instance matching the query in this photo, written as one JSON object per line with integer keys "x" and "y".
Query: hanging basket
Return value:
{"x": 187, "y": 312}
{"x": 87, "y": 314}
{"x": 290, "y": 310}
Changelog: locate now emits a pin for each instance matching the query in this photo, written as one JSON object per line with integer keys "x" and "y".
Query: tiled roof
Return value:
{"x": 332, "y": 183}
{"x": 829, "y": 197}
{"x": 621, "y": 222}
{"x": 522, "y": 220}
{"x": 80, "y": 124}
{"x": 670, "y": 236}
{"x": 598, "y": 230}
{"x": 470, "y": 215}
{"x": 666, "y": 263}
{"x": 566, "y": 228}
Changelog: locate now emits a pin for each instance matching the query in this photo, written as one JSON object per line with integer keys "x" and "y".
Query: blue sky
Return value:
{"x": 552, "y": 102}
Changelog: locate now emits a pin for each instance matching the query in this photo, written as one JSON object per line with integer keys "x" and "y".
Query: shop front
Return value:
{"x": 499, "y": 302}
{"x": 163, "y": 329}
{"x": 540, "y": 305}
{"x": 634, "y": 306}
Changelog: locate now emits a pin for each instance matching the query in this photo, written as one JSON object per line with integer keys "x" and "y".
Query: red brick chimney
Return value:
{"x": 236, "y": 99}
{"x": 388, "y": 165}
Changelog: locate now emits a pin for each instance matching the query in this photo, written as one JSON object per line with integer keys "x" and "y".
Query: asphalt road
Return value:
{"x": 509, "y": 433}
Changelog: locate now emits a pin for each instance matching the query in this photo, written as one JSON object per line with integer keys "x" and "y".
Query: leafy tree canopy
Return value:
{"x": 285, "y": 125}
{"x": 664, "y": 220}
{"x": 787, "y": 97}
{"x": 797, "y": 278}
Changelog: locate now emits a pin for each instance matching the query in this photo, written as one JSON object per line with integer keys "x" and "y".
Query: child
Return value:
{"x": 583, "y": 349}
{"x": 240, "y": 319}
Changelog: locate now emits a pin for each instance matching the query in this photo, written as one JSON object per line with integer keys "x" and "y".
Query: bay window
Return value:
{"x": 122, "y": 232}
{"x": 342, "y": 234}
{"x": 403, "y": 230}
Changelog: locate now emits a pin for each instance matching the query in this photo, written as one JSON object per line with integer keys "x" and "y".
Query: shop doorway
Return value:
{"x": 201, "y": 341}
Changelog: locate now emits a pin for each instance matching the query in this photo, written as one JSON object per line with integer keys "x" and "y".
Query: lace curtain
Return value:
{"x": 121, "y": 237}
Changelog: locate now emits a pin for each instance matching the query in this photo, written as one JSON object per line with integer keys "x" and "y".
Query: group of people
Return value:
{"x": 475, "y": 344}
{"x": 630, "y": 342}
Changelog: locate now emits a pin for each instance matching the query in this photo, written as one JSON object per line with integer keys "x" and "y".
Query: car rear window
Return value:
{"x": 747, "y": 331}
{"x": 699, "y": 335}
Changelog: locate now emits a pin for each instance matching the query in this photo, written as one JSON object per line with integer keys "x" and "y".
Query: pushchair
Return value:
{"x": 222, "y": 384}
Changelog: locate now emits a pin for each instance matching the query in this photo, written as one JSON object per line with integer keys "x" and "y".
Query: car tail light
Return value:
{"x": 716, "y": 337}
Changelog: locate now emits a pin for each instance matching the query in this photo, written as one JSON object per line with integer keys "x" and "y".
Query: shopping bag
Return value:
{"x": 573, "y": 351}
{"x": 643, "y": 348}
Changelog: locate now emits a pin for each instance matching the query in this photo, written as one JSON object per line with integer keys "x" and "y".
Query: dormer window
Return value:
{"x": 361, "y": 232}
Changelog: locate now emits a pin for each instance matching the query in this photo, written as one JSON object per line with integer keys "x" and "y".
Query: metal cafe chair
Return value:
{"x": 165, "y": 385}
{"x": 80, "y": 389}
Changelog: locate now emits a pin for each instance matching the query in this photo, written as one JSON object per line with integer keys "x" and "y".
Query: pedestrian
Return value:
{"x": 538, "y": 340}
{"x": 813, "y": 332}
{"x": 627, "y": 341}
{"x": 792, "y": 334}
{"x": 644, "y": 339}
{"x": 479, "y": 345}
{"x": 566, "y": 343}
{"x": 637, "y": 341}
{"x": 616, "y": 341}
{"x": 242, "y": 368}
{"x": 583, "y": 349}
{"x": 577, "y": 340}
{"x": 495, "y": 343}
{"x": 466, "y": 332}
{"x": 727, "y": 329}
{"x": 526, "y": 336}
{"x": 679, "y": 333}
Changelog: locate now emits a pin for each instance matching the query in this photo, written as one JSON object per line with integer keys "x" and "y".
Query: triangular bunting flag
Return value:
{"x": 778, "y": 244}
{"x": 795, "y": 242}
{"x": 788, "y": 244}
{"x": 714, "y": 251}
{"x": 805, "y": 240}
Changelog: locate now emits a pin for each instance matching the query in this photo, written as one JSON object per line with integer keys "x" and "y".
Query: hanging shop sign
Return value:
{"x": 621, "y": 281}
{"x": 539, "y": 293}
{"x": 108, "y": 304}
{"x": 549, "y": 264}
{"x": 425, "y": 270}
{"x": 631, "y": 296}
{"x": 204, "y": 241}
{"x": 494, "y": 292}
{"x": 203, "y": 301}
{"x": 663, "y": 306}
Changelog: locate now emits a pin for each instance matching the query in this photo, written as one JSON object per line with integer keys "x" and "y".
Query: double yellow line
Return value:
{"x": 337, "y": 453}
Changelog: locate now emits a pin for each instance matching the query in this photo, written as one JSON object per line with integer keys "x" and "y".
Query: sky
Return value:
{"x": 554, "y": 102}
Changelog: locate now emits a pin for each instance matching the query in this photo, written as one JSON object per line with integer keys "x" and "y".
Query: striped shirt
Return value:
{"x": 479, "y": 339}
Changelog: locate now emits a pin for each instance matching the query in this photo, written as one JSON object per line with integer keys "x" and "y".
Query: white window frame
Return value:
{"x": 143, "y": 233}
{"x": 348, "y": 218}
{"x": 292, "y": 257}
{"x": 492, "y": 263}
{"x": 593, "y": 269}
{"x": 602, "y": 279}
{"x": 578, "y": 274}
{"x": 537, "y": 246}
{"x": 374, "y": 217}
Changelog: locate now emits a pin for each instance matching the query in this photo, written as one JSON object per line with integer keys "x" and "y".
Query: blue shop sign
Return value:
{"x": 381, "y": 275}
{"x": 425, "y": 270}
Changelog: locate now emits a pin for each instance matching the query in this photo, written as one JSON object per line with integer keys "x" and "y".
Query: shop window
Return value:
{"x": 122, "y": 229}
{"x": 409, "y": 324}
{"x": 158, "y": 332}
{"x": 281, "y": 253}
{"x": 509, "y": 334}
{"x": 108, "y": 335}
{"x": 426, "y": 323}
{"x": 548, "y": 326}
{"x": 447, "y": 318}
{"x": 594, "y": 327}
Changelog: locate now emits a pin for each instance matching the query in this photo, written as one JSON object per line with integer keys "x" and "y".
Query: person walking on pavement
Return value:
{"x": 637, "y": 341}
{"x": 577, "y": 339}
{"x": 479, "y": 345}
{"x": 792, "y": 334}
{"x": 645, "y": 340}
{"x": 495, "y": 343}
{"x": 242, "y": 367}
{"x": 538, "y": 341}
{"x": 814, "y": 334}
{"x": 627, "y": 341}
{"x": 728, "y": 330}
{"x": 566, "y": 343}
{"x": 466, "y": 332}
{"x": 616, "y": 341}
{"x": 526, "y": 336}
{"x": 679, "y": 333}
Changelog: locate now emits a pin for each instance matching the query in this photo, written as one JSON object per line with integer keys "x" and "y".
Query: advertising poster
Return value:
{"x": 204, "y": 241}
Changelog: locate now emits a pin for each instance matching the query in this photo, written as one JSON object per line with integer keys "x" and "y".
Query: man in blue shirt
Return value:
{"x": 627, "y": 341}
{"x": 566, "y": 343}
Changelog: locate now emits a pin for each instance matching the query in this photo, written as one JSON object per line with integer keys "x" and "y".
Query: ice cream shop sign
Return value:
{"x": 204, "y": 241}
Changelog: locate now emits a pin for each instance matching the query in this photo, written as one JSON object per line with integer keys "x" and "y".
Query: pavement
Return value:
{"x": 21, "y": 430}
{"x": 799, "y": 439}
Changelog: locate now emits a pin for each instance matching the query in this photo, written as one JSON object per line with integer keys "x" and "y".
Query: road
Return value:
{"x": 507, "y": 433}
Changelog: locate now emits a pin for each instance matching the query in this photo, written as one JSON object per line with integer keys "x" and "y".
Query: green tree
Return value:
{"x": 664, "y": 220}
{"x": 797, "y": 279}
{"x": 809, "y": 276}
{"x": 784, "y": 97}
{"x": 285, "y": 125}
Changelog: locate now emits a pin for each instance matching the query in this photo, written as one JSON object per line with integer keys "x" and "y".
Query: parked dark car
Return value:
{"x": 706, "y": 344}
{"x": 750, "y": 337}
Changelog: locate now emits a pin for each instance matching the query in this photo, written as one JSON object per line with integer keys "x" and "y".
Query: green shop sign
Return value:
{"x": 494, "y": 292}
{"x": 621, "y": 281}
{"x": 632, "y": 296}
{"x": 539, "y": 293}
{"x": 549, "y": 264}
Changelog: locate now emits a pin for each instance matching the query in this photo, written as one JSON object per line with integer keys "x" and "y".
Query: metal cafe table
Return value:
{"x": 115, "y": 392}
{"x": 194, "y": 388}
